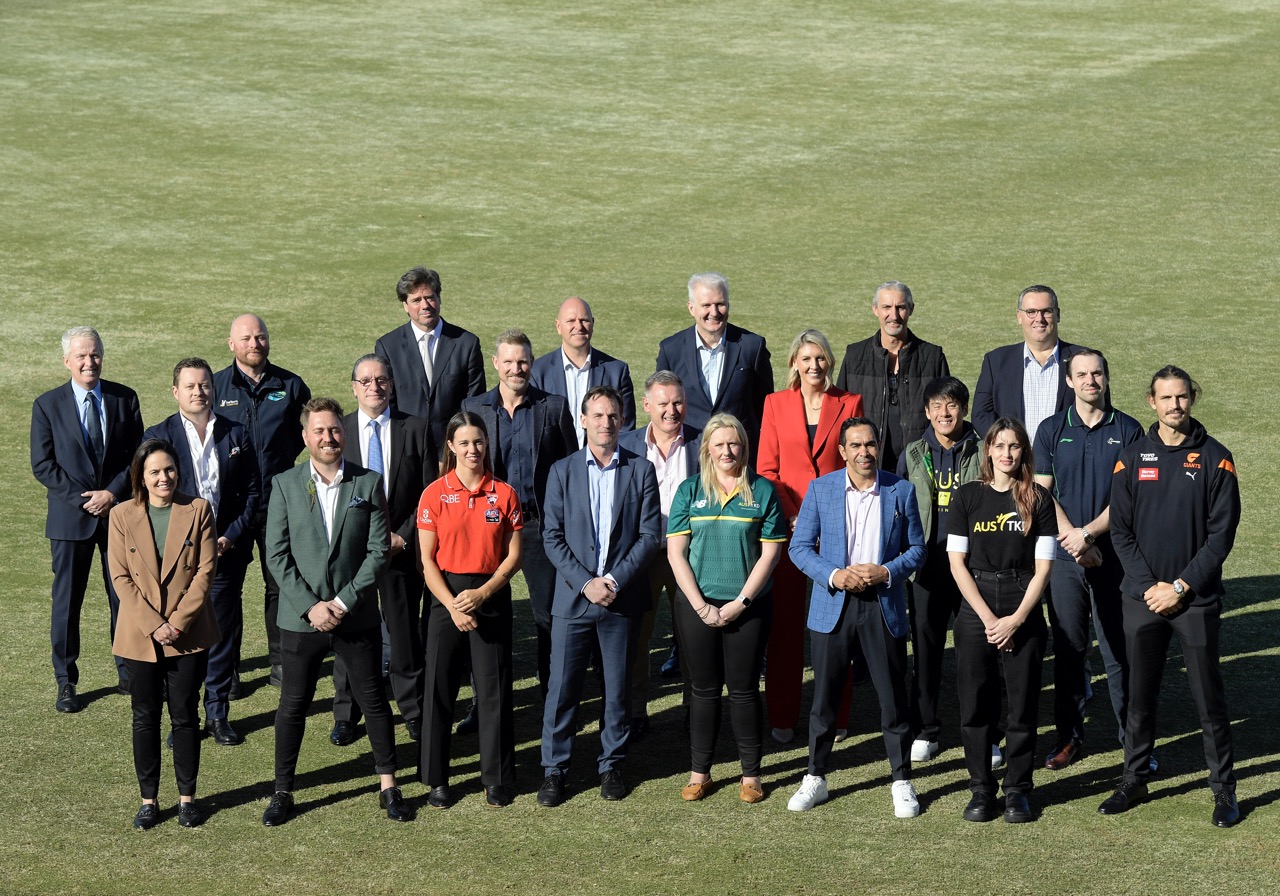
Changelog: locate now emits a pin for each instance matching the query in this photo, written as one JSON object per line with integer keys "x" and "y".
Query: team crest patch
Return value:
{"x": 493, "y": 500}
{"x": 1148, "y": 474}
{"x": 276, "y": 396}
{"x": 425, "y": 516}
{"x": 493, "y": 516}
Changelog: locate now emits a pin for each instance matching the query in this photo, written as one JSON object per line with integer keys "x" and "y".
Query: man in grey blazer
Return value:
{"x": 83, "y": 435}
{"x": 577, "y": 365}
{"x": 602, "y": 525}
{"x": 859, "y": 596}
{"x": 327, "y": 545}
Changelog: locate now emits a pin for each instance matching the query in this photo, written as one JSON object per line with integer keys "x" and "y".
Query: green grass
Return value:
{"x": 164, "y": 168}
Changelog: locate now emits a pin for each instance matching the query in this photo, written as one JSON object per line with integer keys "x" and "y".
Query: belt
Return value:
{"x": 1003, "y": 575}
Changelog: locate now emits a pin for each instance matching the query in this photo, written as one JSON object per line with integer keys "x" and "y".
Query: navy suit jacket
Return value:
{"x": 820, "y": 544}
{"x": 239, "y": 482}
{"x": 412, "y": 470}
{"x": 60, "y": 457}
{"x": 568, "y": 533}
{"x": 999, "y": 390}
{"x": 746, "y": 380}
{"x": 634, "y": 442}
{"x": 605, "y": 370}
{"x": 553, "y": 437}
{"x": 458, "y": 374}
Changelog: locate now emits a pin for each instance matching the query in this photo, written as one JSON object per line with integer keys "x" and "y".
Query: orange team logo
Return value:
{"x": 1191, "y": 460}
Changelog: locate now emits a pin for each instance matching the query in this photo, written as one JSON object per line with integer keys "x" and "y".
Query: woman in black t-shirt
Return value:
{"x": 1001, "y": 544}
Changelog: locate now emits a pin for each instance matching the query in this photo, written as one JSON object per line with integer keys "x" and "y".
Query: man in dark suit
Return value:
{"x": 671, "y": 446}
{"x": 83, "y": 435}
{"x": 327, "y": 545}
{"x": 859, "y": 597}
{"x": 602, "y": 526}
{"x": 397, "y": 446}
{"x": 529, "y": 430}
{"x": 576, "y": 366}
{"x": 266, "y": 400}
{"x": 436, "y": 364}
{"x": 216, "y": 461}
{"x": 725, "y": 369}
{"x": 1026, "y": 381}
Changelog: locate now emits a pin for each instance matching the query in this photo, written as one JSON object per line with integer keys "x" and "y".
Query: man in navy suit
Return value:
{"x": 83, "y": 435}
{"x": 576, "y": 366}
{"x": 399, "y": 447}
{"x": 671, "y": 446}
{"x": 602, "y": 525}
{"x": 529, "y": 430}
{"x": 725, "y": 369}
{"x": 216, "y": 461}
{"x": 1027, "y": 381}
{"x": 435, "y": 364}
{"x": 859, "y": 596}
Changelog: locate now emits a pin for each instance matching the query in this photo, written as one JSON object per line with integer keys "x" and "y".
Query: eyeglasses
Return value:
{"x": 380, "y": 381}
{"x": 1042, "y": 313}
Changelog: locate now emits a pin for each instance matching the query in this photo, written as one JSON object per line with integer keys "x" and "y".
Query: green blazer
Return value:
{"x": 309, "y": 568}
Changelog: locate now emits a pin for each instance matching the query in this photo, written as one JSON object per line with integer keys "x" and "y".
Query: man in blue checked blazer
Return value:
{"x": 859, "y": 599}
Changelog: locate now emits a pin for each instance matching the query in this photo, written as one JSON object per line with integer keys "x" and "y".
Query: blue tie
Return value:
{"x": 96, "y": 444}
{"x": 375, "y": 448}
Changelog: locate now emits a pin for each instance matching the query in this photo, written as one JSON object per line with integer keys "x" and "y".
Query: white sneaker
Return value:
{"x": 923, "y": 750}
{"x": 813, "y": 790}
{"x": 784, "y": 735}
{"x": 997, "y": 758}
{"x": 905, "y": 804}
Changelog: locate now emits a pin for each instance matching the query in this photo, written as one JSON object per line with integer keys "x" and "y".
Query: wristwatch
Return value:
{"x": 1179, "y": 588}
{"x": 1088, "y": 539}
{"x": 745, "y": 601}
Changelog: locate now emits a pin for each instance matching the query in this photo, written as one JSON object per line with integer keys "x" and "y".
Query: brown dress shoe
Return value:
{"x": 693, "y": 792}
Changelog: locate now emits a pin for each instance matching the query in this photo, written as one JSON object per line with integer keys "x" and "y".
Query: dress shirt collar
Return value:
{"x": 319, "y": 480}
{"x": 570, "y": 366}
{"x": 850, "y": 487}
{"x": 382, "y": 419}
{"x": 419, "y": 333}
{"x": 1054, "y": 356}
{"x": 80, "y": 392}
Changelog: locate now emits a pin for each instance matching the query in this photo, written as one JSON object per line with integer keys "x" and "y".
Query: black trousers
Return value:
{"x": 489, "y": 646}
{"x": 860, "y": 629}
{"x": 931, "y": 601}
{"x": 72, "y": 561}
{"x": 182, "y": 675}
{"x": 540, "y": 577}
{"x": 302, "y": 654}
{"x": 1147, "y": 635}
{"x": 661, "y": 579}
{"x": 271, "y": 590}
{"x": 224, "y": 656}
{"x": 718, "y": 657}
{"x": 400, "y": 598}
{"x": 979, "y": 669}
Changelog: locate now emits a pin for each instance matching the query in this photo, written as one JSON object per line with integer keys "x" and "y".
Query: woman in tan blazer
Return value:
{"x": 161, "y": 552}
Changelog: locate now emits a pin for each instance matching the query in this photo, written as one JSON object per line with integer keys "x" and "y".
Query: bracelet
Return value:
{"x": 703, "y": 611}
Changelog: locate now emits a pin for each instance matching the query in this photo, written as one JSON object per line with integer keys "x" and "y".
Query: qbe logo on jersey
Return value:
{"x": 1148, "y": 474}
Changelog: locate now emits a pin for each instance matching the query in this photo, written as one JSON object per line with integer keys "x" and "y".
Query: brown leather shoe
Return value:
{"x": 750, "y": 793}
{"x": 1066, "y": 754}
{"x": 693, "y": 792}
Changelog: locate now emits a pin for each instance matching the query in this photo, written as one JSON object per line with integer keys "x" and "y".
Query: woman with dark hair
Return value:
{"x": 469, "y": 533}
{"x": 725, "y": 535}
{"x": 161, "y": 552}
{"x": 799, "y": 441}
{"x": 1001, "y": 542}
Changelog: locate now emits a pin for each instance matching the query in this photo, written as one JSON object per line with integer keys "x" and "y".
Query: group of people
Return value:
{"x": 867, "y": 482}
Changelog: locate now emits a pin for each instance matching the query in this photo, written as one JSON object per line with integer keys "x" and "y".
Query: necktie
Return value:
{"x": 427, "y": 366}
{"x": 375, "y": 448}
{"x": 97, "y": 446}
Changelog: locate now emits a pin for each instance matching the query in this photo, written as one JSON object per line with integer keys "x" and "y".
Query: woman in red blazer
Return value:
{"x": 799, "y": 441}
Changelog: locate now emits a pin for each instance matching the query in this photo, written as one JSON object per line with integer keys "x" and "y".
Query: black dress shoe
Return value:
{"x": 551, "y": 793}
{"x": 168, "y": 740}
{"x": 235, "y": 692}
{"x": 190, "y": 815}
{"x": 471, "y": 723}
{"x": 982, "y": 807}
{"x": 612, "y": 787}
{"x": 639, "y": 728}
{"x": 343, "y": 734}
{"x": 1127, "y": 795}
{"x": 393, "y": 801}
{"x": 222, "y": 732}
{"x": 497, "y": 796}
{"x": 67, "y": 699}
{"x": 276, "y": 678}
{"x": 1017, "y": 808}
{"x": 278, "y": 809}
{"x": 438, "y": 797}
{"x": 148, "y": 817}
{"x": 414, "y": 727}
{"x": 1225, "y": 810}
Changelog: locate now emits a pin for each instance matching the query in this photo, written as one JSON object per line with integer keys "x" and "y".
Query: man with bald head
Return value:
{"x": 576, "y": 366}
{"x": 267, "y": 401}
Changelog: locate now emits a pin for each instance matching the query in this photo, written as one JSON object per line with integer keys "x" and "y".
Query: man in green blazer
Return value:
{"x": 327, "y": 542}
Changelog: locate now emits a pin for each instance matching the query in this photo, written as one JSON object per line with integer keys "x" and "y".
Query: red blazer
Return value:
{"x": 785, "y": 457}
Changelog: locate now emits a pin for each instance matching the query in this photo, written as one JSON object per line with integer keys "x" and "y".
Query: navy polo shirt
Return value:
{"x": 1081, "y": 460}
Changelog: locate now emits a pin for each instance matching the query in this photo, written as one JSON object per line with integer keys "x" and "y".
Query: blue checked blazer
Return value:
{"x": 820, "y": 542}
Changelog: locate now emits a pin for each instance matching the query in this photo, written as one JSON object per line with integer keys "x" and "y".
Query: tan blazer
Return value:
{"x": 178, "y": 593}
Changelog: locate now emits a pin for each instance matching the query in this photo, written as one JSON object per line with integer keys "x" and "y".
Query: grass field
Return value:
{"x": 164, "y": 167}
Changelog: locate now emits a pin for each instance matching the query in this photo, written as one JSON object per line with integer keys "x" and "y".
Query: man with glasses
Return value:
{"x": 1026, "y": 381}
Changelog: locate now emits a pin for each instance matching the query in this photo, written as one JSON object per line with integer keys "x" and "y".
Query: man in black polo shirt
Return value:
{"x": 267, "y": 401}
{"x": 1076, "y": 450}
